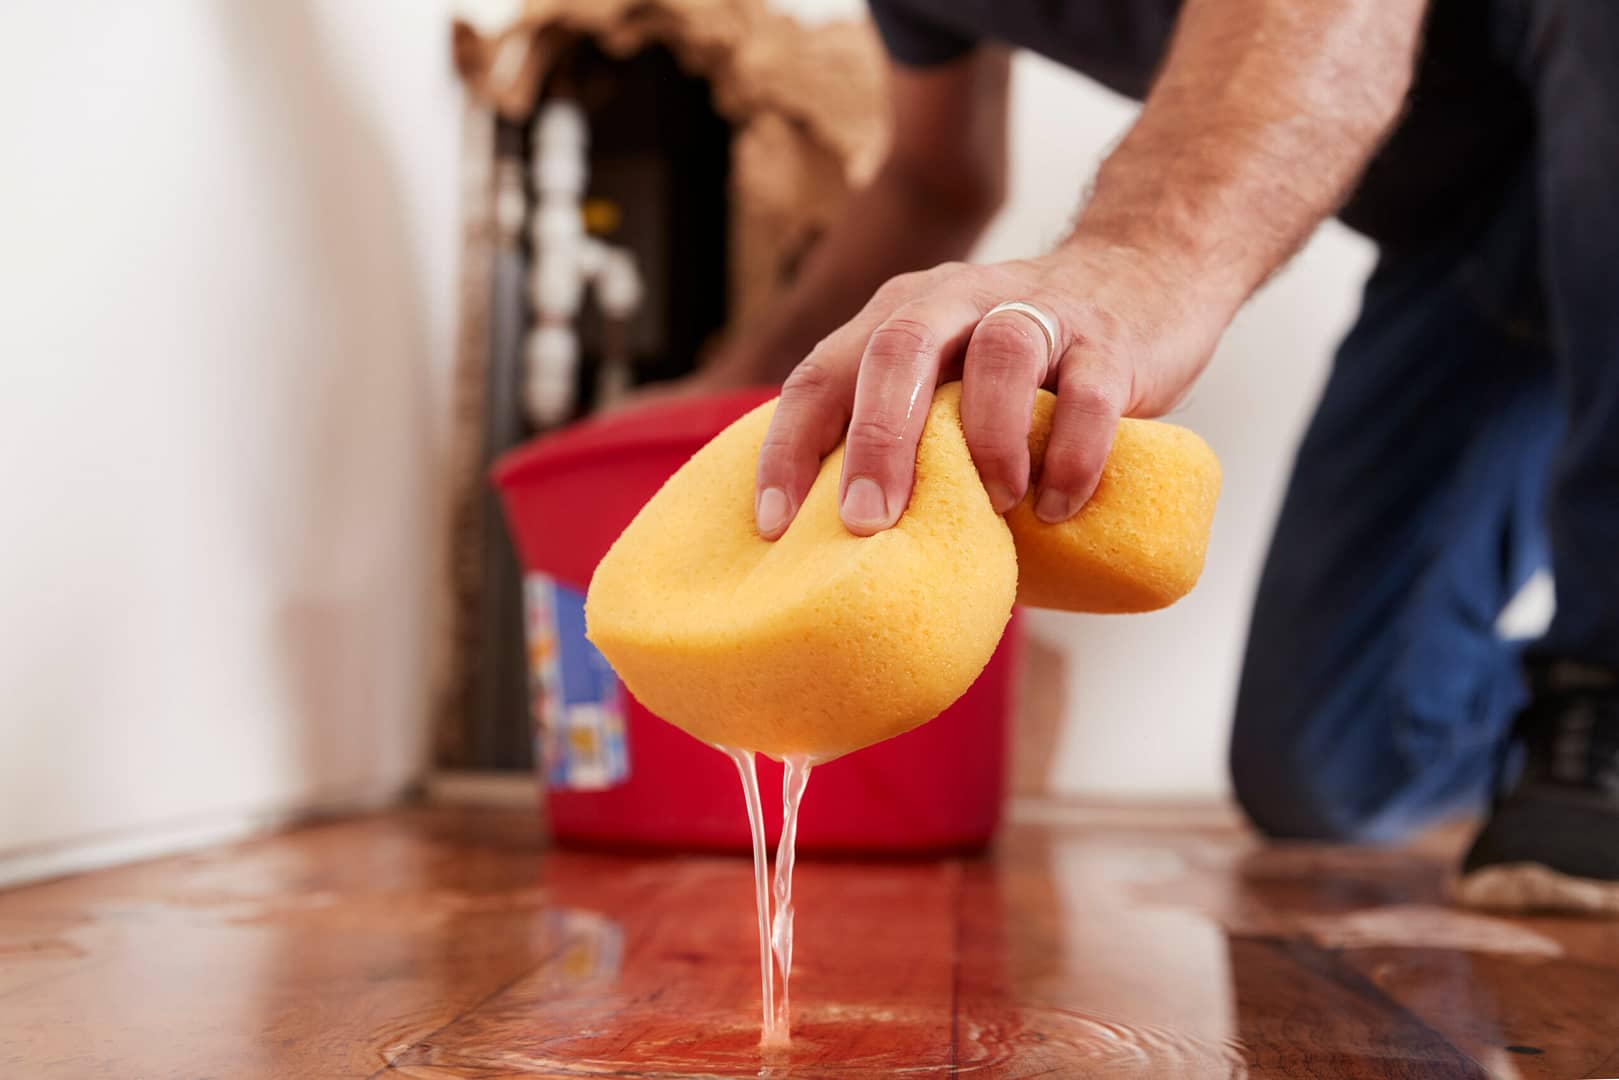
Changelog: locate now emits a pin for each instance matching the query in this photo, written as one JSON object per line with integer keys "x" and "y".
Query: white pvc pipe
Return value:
{"x": 566, "y": 260}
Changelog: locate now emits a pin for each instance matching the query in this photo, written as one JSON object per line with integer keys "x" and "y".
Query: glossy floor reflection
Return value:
{"x": 439, "y": 944}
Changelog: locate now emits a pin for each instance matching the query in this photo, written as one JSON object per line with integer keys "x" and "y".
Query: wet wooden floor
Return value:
{"x": 449, "y": 945}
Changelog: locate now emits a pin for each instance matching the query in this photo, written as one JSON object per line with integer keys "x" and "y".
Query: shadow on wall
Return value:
{"x": 349, "y": 536}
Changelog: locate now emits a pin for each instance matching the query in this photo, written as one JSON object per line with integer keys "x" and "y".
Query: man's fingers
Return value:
{"x": 1007, "y": 360}
{"x": 898, "y": 373}
{"x": 808, "y": 422}
{"x": 1092, "y": 392}
{"x": 871, "y": 384}
{"x": 813, "y": 413}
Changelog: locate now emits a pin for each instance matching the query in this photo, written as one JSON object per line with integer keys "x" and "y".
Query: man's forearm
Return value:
{"x": 1262, "y": 118}
{"x": 897, "y": 223}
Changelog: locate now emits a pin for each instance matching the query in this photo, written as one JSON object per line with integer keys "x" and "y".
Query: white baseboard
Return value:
{"x": 485, "y": 789}
{"x": 1123, "y": 812}
{"x": 97, "y": 852}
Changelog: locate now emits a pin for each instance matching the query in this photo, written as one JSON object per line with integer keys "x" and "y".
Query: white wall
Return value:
{"x": 226, "y": 293}
{"x": 226, "y": 304}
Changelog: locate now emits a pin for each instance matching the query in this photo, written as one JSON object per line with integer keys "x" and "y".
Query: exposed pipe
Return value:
{"x": 566, "y": 262}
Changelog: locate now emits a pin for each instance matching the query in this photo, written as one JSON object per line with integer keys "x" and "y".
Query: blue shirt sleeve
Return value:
{"x": 913, "y": 39}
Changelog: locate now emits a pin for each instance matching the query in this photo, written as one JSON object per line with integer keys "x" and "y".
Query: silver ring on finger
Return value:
{"x": 1047, "y": 325}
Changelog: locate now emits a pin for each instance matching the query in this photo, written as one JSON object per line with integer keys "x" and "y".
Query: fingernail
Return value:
{"x": 770, "y": 512}
{"x": 864, "y": 504}
{"x": 1000, "y": 496}
{"x": 1054, "y": 507}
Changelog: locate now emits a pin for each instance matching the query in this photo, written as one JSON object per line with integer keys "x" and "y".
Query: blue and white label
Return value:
{"x": 575, "y": 699}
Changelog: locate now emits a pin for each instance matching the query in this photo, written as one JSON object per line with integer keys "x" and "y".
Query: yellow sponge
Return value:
{"x": 1138, "y": 544}
{"x": 823, "y": 642}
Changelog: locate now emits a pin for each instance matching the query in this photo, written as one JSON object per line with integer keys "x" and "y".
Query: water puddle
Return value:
{"x": 1032, "y": 1039}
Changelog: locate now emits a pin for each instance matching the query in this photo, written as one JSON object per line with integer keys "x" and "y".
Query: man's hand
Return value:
{"x": 1129, "y": 342}
{"x": 1262, "y": 117}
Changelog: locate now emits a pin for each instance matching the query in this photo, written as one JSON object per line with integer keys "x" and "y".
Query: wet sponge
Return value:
{"x": 821, "y": 642}
{"x": 1138, "y": 544}
{"x": 824, "y": 642}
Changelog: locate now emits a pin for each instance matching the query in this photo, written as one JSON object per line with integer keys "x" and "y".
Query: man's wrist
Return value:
{"x": 1184, "y": 275}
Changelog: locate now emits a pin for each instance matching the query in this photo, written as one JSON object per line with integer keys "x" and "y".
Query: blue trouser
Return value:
{"x": 1468, "y": 436}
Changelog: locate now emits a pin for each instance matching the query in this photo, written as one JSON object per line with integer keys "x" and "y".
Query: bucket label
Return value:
{"x": 574, "y": 697}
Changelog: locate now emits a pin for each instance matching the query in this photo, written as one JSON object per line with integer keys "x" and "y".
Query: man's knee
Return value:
{"x": 1292, "y": 793}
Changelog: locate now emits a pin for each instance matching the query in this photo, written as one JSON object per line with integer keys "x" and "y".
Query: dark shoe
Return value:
{"x": 1552, "y": 840}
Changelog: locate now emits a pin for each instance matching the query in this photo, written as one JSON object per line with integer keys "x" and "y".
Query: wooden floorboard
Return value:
{"x": 443, "y": 944}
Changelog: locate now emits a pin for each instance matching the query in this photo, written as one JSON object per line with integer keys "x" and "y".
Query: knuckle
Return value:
{"x": 1069, "y": 467}
{"x": 999, "y": 459}
{"x": 1090, "y": 398}
{"x": 784, "y": 461}
{"x": 875, "y": 433}
{"x": 1002, "y": 346}
{"x": 896, "y": 289}
{"x": 995, "y": 437}
{"x": 811, "y": 378}
{"x": 781, "y": 446}
{"x": 900, "y": 338}
{"x": 778, "y": 445}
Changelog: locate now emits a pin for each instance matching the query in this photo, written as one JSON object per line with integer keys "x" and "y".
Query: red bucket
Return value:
{"x": 939, "y": 788}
